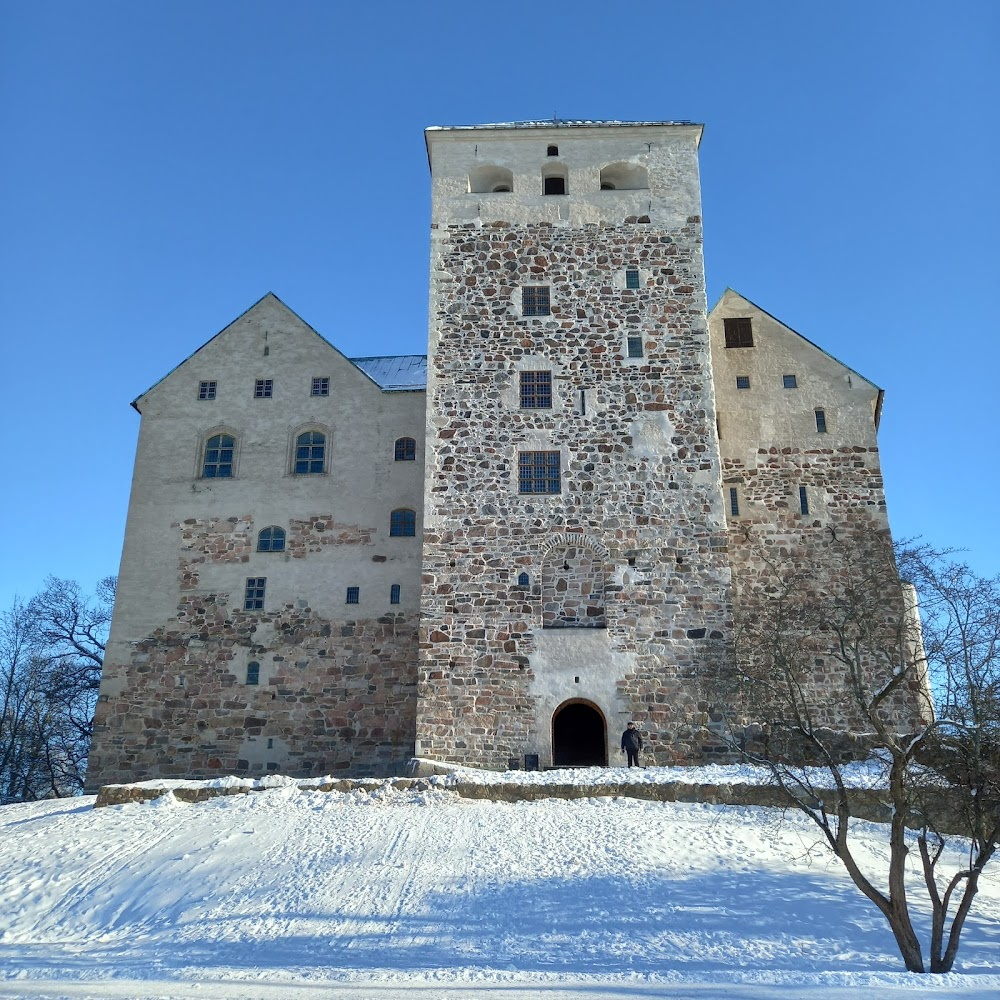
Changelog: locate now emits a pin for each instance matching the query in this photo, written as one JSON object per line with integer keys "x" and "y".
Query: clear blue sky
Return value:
{"x": 163, "y": 165}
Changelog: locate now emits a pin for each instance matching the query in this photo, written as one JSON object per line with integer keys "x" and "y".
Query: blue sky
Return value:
{"x": 166, "y": 164}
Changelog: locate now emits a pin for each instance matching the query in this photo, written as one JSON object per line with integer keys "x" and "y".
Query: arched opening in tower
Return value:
{"x": 579, "y": 736}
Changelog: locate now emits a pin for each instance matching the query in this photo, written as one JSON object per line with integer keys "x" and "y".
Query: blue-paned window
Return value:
{"x": 789, "y": 381}
{"x": 353, "y": 595}
{"x": 271, "y": 539}
{"x": 403, "y": 523}
{"x": 219, "y": 451}
{"x": 535, "y": 300}
{"x": 734, "y": 501}
{"x": 538, "y": 472}
{"x": 536, "y": 390}
{"x": 406, "y": 450}
{"x": 803, "y": 500}
{"x": 820, "y": 421}
{"x": 310, "y": 453}
{"x": 253, "y": 673}
{"x": 632, "y": 277}
{"x": 635, "y": 349}
{"x": 394, "y": 594}
{"x": 253, "y": 598}
{"x": 742, "y": 381}
{"x": 523, "y": 580}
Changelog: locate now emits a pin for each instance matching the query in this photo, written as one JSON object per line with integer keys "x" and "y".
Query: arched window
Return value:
{"x": 523, "y": 579}
{"x": 219, "y": 452}
{"x": 271, "y": 539}
{"x": 253, "y": 673}
{"x": 403, "y": 523}
{"x": 490, "y": 178}
{"x": 310, "y": 453}
{"x": 406, "y": 450}
{"x": 552, "y": 151}
{"x": 624, "y": 177}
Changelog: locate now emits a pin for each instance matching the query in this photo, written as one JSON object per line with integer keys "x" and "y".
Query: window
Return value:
{"x": 253, "y": 673}
{"x": 219, "y": 451}
{"x": 739, "y": 332}
{"x": 406, "y": 450}
{"x": 734, "y": 501}
{"x": 803, "y": 500}
{"x": 523, "y": 580}
{"x": 742, "y": 381}
{"x": 310, "y": 453}
{"x": 635, "y": 347}
{"x": 554, "y": 185}
{"x": 394, "y": 594}
{"x": 253, "y": 597}
{"x": 552, "y": 151}
{"x": 535, "y": 300}
{"x": 538, "y": 472}
{"x": 353, "y": 595}
{"x": 206, "y": 390}
{"x": 403, "y": 523}
{"x": 536, "y": 390}
{"x": 271, "y": 539}
{"x": 263, "y": 388}
{"x": 789, "y": 382}
{"x": 632, "y": 277}
{"x": 821, "y": 421}
{"x": 320, "y": 386}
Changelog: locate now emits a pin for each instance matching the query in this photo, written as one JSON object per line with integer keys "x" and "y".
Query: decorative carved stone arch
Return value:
{"x": 574, "y": 568}
{"x": 579, "y": 735}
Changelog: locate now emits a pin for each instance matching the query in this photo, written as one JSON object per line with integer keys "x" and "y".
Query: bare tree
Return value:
{"x": 832, "y": 669}
{"x": 51, "y": 653}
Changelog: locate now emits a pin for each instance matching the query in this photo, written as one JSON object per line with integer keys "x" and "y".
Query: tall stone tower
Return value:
{"x": 574, "y": 563}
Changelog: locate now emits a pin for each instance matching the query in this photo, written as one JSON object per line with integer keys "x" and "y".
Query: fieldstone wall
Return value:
{"x": 640, "y": 485}
{"x": 333, "y": 696}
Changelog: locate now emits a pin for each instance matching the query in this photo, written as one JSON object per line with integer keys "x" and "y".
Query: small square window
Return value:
{"x": 353, "y": 595}
{"x": 538, "y": 472}
{"x": 820, "y": 421}
{"x": 803, "y": 500}
{"x": 394, "y": 594}
{"x": 320, "y": 386}
{"x": 253, "y": 599}
{"x": 739, "y": 332}
{"x": 634, "y": 347}
{"x": 206, "y": 390}
{"x": 536, "y": 390}
{"x": 632, "y": 277}
{"x": 742, "y": 381}
{"x": 535, "y": 300}
{"x": 263, "y": 388}
{"x": 789, "y": 382}
{"x": 734, "y": 501}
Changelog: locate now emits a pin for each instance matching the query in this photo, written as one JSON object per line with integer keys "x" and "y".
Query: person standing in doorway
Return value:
{"x": 632, "y": 744}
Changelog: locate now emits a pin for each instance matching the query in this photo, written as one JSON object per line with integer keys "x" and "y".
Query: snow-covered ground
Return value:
{"x": 285, "y": 893}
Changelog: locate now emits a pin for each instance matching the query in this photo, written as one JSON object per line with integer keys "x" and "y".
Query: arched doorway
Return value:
{"x": 579, "y": 736}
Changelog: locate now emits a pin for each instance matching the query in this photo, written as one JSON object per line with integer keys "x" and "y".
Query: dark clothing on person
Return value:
{"x": 632, "y": 744}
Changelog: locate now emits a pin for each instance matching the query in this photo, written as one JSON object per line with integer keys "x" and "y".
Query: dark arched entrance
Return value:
{"x": 579, "y": 737}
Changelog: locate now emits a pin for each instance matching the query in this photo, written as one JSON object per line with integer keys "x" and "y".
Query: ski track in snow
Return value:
{"x": 290, "y": 893}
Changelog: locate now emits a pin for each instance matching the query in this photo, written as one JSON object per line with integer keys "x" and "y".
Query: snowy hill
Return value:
{"x": 420, "y": 894}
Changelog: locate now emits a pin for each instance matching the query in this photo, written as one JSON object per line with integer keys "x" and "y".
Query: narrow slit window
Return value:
{"x": 353, "y": 595}
{"x": 535, "y": 300}
{"x": 803, "y": 500}
{"x": 632, "y": 277}
{"x": 820, "y": 421}
{"x": 253, "y": 596}
{"x": 394, "y": 594}
{"x": 734, "y": 501}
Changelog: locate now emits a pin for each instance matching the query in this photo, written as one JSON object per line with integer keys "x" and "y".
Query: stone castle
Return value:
{"x": 502, "y": 550}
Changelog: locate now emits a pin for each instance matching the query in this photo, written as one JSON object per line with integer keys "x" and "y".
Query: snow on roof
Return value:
{"x": 556, "y": 123}
{"x": 397, "y": 373}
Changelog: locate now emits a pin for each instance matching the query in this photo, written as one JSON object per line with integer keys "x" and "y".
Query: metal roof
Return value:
{"x": 397, "y": 373}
